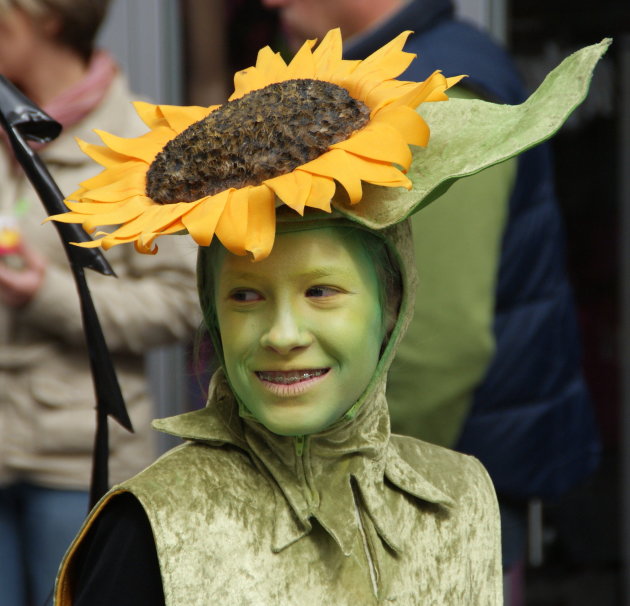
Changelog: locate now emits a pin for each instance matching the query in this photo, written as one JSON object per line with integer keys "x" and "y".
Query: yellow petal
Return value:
{"x": 432, "y": 89}
{"x": 389, "y": 61}
{"x": 76, "y": 195}
{"x": 378, "y": 141}
{"x": 89, "y": 244}
{"x": 363, "y": 88}
{"x": 134, "y": 227}
{"x": 342, "y": 74}
{"x": 322, "y": 191}
{"x": 327, "y": 57}
{"x": 173, "y": 228}
{"x": 149, "y": 114}
{"x": 245, "y": 81}
{"x": 406, "y": 121}
{"x": 350, "y": 170}
{"x": 379, "y": 173}
{"x": 110, "y": 241}
{"x": 410, "y": 94}
{"x": 272, "y": 66}
{"x": 452, "y": 81}
{"x": 66, "y": 218}
{"x": 107, "y": 243}
{"x": 99, "y": 243}
{"x": 302, "y": 65}
{"x": 436, "y": 86}
{"x": 145, "y": 147}
{"x": 102, "y": 155}
{"x": 92, "y": 208}
{"x": 335, "y": 164}
{"x": 386, "y": 92}
{"x": 180, "y": 118}
{"x": 232, "y": 226}
{"x": 261, "y": 222}
{"x": 133, "y": 208}
{"x": 132, "y": 183}
{"x": 202, "y": 220}
{"x": 442, "y": 84}
{"x": 113, "y": 173}
{"x": 292, "y": 188}
{"x": 144, "y": 244}
{"x": 371, "y": 87}
{"x": 159, "y": 219}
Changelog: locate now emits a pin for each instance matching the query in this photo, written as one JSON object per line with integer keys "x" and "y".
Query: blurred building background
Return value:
{"x": 185, "y": 52}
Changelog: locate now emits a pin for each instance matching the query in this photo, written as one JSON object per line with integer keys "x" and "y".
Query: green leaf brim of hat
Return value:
{"x": 469, "y": 135}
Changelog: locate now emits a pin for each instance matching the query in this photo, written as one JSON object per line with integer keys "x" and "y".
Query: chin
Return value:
{"x": 290, "y": 430}
{"x": 294, "y": 427}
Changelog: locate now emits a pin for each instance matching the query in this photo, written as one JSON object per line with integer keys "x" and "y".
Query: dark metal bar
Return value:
{"x": 22, "y": 120}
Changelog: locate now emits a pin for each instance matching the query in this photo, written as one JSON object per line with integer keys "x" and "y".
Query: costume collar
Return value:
{"x": 336, "y": 469}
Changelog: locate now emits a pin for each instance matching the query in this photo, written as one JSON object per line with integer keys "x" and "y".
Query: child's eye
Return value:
{"x": 322, "y": 291}
{"x": 245, "y": 296}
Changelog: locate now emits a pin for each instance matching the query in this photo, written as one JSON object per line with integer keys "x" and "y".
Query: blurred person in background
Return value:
{"x": 490, "y": 365}
{"x": 47, "y": 406}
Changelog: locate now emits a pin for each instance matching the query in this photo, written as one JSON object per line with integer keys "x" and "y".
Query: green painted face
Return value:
{"x": 302, "y": 330}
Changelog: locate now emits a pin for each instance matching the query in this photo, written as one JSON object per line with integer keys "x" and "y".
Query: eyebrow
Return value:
{"x": 241, "y": 275}
{"x": 319, "y": 272}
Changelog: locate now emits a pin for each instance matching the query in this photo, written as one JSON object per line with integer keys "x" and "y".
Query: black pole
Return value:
{"x": 23, "y": 120}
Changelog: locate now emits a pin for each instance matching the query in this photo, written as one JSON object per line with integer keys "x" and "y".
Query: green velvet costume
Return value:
{"x": 350, "y": 516}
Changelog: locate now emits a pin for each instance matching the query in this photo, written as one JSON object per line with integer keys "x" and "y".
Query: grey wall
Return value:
{"x": 145, "y": 38}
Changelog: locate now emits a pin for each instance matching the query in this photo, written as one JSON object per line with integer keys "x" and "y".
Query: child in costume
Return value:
{"x": 289, "y": 488}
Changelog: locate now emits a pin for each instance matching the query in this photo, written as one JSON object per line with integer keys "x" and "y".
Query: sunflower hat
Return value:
{"x": 321, "y": 133}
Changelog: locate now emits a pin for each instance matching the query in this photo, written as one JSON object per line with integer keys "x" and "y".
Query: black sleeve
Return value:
{"x": 117, "y": 562}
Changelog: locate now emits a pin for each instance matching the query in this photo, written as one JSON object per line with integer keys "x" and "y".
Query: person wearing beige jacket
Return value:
{"x": 47, "y": 404}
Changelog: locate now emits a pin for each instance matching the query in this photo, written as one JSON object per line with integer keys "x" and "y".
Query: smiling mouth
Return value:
{"x": 290, "y": 377}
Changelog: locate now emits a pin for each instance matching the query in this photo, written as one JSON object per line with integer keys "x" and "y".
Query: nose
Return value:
{"x": 285, "y": 333}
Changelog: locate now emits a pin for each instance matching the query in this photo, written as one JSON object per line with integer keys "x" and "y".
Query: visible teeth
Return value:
{"x": 286, "y": 378}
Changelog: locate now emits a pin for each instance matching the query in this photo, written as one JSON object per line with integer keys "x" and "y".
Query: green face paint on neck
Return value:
{"x": 301, "y": 331}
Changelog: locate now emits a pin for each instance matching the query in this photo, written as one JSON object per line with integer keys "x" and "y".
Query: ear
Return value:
{"x": 50, "y": 25}
{"x": 390, "y": 313}
{"x": 390, "y": 321}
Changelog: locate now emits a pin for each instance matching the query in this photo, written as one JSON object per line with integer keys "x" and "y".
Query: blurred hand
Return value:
{"x": 19, "y": 286}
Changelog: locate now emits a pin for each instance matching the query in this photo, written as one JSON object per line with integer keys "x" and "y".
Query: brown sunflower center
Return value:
{"x": 264, "y": 134}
